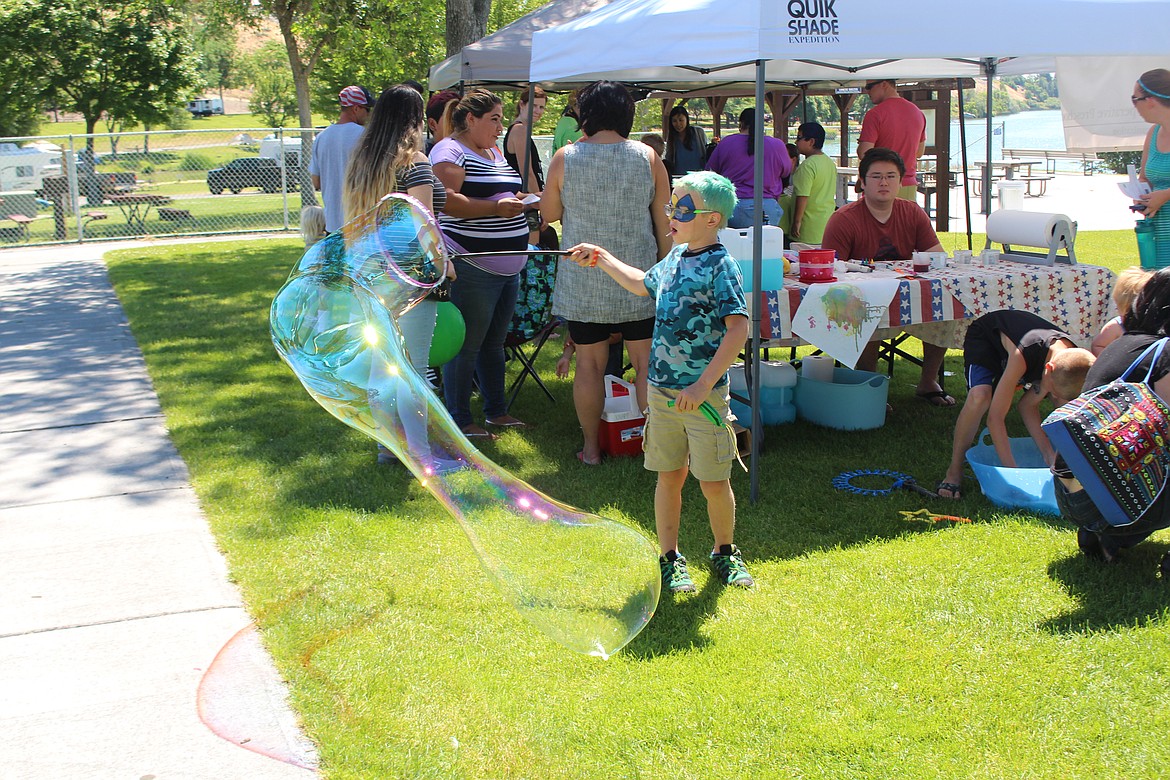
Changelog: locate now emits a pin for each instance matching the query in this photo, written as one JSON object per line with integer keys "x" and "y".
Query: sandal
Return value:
{"x": 473, "y": 431}
{"x": 954, "y": 488}
{"x": 937, "y": 398}
{"x": 581, "y": 457}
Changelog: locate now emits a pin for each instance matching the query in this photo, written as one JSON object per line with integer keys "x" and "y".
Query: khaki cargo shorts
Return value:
{"x": 670, "y": 436}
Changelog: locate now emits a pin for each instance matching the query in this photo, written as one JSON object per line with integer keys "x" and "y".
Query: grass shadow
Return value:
{"x": 1112, "y": 596}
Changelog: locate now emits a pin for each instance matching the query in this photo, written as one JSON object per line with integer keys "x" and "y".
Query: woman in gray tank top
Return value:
{"x": 606, "y": 190}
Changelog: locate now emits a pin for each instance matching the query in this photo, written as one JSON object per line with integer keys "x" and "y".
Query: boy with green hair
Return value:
{"x": 700, "y": 326}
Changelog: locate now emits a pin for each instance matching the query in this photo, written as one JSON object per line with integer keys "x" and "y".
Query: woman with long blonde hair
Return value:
{"x": 388, "y": 158}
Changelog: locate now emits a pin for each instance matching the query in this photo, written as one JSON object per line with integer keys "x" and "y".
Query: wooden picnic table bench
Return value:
{"x": 1089, "y": 161}
{"x": 175, "y": 215}
{"x": 20, "y": 232}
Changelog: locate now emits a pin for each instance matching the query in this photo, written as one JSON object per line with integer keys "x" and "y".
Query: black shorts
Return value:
{"x": 597, "y": 332}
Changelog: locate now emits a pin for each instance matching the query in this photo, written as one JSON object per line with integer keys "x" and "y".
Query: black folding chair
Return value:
{"x": 532, "y": 322}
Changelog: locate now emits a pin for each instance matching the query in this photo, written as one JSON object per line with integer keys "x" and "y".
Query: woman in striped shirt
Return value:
{"x": 482, "y": 214}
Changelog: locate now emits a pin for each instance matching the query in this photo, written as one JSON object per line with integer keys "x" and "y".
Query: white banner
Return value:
{"x": 1095, "y": 105}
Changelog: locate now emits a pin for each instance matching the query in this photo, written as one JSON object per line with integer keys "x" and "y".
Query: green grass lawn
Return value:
{"x": 872, "y": 647}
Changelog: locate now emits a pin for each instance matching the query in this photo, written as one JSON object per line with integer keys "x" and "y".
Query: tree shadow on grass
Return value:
{"x": 1112, "y": 596}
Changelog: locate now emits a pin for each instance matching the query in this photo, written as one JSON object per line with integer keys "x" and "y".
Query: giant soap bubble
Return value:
{"x": 587, "y": 582}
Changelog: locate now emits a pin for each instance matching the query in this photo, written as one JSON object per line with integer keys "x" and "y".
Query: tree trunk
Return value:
{"x": 466, "y": 22}
{"x": 300, "y": 73}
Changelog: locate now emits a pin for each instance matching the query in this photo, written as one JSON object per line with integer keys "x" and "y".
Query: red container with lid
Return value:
{"x": 816, "y": 265}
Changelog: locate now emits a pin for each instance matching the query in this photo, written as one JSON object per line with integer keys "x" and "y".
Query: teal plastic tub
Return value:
{"x": 853, "y": 401}
{"x": 1027, "y": 486}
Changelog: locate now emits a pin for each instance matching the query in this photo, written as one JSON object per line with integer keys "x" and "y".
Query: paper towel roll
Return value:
{"x": 1023, "y": 228}
{"x": 818, "y": 367}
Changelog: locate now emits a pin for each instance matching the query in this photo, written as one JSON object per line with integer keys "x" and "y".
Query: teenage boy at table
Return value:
{"x": 1003, "y": 351}
{"x": 882, "y": 226}
{"x": 700, "y": 325}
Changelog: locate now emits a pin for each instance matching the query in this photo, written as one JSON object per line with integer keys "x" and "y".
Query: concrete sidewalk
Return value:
{"x": 115, "y": 608}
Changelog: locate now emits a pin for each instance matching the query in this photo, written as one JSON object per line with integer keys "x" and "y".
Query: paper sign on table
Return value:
{"x": 839, "y": 317}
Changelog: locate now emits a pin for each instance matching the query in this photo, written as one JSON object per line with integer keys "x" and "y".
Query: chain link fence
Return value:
{"x": 107, "y": 186}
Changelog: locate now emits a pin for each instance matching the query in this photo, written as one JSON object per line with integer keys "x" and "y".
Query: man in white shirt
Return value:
{"x": 332, "y": 149}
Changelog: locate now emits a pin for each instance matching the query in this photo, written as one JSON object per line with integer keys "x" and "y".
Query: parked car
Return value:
{"x": 262, "y": 172}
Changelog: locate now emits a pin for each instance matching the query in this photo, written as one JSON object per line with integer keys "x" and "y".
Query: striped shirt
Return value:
{"x": 485, "y": 179}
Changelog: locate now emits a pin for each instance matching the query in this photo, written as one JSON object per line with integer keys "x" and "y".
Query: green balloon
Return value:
{"x": 449, "y": 333}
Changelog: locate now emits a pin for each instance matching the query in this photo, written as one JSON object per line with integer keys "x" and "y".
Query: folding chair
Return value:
{"x": 532, "y": 322}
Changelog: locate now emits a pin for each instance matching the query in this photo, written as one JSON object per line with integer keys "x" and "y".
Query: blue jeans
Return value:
{"x": 486, "y": 302}
{"x": 1080, "y": 510}
{"x": 745, "y": 211}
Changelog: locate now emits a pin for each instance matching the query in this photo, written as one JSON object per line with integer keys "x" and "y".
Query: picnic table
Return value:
{"x": 136, "y": 207}
{"x": 936, "y": 306}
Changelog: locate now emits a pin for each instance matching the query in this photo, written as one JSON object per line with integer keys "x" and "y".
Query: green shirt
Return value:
{"x": 816, "y": 179}
{"x": 566, "y": 132}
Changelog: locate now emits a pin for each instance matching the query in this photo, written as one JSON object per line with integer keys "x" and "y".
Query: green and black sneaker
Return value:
{"x": 675, "y": 576}
{"x": 728, "y": 562}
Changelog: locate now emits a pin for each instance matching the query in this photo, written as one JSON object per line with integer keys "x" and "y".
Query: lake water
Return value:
{"x": 1026, "y": 130}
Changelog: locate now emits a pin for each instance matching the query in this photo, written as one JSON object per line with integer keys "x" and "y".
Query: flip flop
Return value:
{"x": 475, "y": 432}
{"x": 514, "y": 423}
{"x": 938, "y": 398}
{"x": 581, "y": 457}
{"x": 954, "y": 488}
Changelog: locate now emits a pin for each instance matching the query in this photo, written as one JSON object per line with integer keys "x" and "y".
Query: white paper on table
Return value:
{"x": 840, "y": 317}
{"x": 1133, "y": 188}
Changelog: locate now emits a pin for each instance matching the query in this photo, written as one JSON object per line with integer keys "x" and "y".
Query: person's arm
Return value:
{"x": 1162, "y": 388}
{"x": 1029, "y": 407}
{"x": 727, "y": 355}
{"x": 1145, "y": 155}
{"x": 1155, "y": 200}
{"x": 590, "y": 255}
{"x": 1110, "y": 333}
{"x": 1001, "y": 403}
{"x": 658, "y": 218}
{"x": 463, "y": 207}
{"x": 316, "y": 182}
{"x": 551, "y": 206}
{"x": 863, "y": 147}
{"x": 517, "y": 135}
{"x": 423, "y": 192}
{"x": 798, "y": 214}
{"x": 565, "y": 361}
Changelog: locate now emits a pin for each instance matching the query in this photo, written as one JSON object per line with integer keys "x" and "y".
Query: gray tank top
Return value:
{"x": 607, "y": 195}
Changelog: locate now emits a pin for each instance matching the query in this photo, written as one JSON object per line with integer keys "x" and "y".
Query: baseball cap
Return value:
{"x": 355, "y": 96}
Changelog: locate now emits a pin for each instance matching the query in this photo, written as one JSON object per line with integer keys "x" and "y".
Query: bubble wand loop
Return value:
{"x": 585, "y": 581}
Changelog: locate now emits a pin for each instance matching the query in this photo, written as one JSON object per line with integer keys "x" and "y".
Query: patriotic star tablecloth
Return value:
{"x": 936, "y": 306}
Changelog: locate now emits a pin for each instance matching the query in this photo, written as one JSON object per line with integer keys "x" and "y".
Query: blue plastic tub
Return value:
{"x": 853, "y": 401}
{"x": 1028, "y": 486}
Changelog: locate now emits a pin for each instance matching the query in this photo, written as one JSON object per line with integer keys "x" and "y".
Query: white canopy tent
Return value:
{"x": 663, "y": 43}
{"x": 503, "y": 56}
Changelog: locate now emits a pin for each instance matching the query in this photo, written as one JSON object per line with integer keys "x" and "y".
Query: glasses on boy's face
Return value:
{"x": 880, "y": 177}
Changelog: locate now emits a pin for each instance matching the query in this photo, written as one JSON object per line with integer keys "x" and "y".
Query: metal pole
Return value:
{"x": 525, "y": 160}
{"x": 989, "y": 71}
{"x": 757, "y": 280}
{"x": 966, "y": 168}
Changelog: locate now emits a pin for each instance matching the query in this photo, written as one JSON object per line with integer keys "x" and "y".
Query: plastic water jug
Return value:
{"x": 777, "y": 393}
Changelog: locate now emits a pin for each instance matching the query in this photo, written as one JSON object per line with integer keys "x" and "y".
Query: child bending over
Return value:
{"x": 1003, "y": 351}
{"x": 700, "y": 326}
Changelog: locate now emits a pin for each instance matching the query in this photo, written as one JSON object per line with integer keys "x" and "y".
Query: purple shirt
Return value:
{"x": 732, "y": 160}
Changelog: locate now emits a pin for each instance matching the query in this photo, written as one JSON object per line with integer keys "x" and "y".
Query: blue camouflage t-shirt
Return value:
{"x": 693, "y": 293}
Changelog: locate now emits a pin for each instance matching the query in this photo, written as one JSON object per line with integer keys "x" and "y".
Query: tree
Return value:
{"x": 128, "y": 59}
{"x": 219, "y": 63}
{"x": 274, "y": 97}
{"x": 466, "y": 22}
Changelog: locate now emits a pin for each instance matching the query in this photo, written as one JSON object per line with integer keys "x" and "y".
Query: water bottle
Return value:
{"x": 1147, "y": 244}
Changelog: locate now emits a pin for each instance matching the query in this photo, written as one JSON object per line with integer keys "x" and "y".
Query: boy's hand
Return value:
{"x": 692, "y": 397}
{"x": 587, "y": 255}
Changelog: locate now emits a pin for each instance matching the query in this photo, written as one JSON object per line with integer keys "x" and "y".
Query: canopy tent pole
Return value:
{"x": 757, "y": 279}
{"x": 966, "y": 169}
{"x": 525, "y": 160}
{"x": 989, "y": 70}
